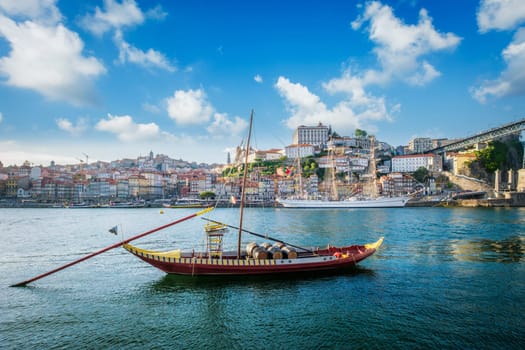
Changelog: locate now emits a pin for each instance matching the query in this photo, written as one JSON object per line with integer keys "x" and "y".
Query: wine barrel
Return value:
{"x": 278, "y": 245}
{"x": 275, "y": 252}
{"x": 250, "y": 248}
{"x": 289, "y": 252}
{"x": 259, "y": 253}
{"x": 266, "y": 245}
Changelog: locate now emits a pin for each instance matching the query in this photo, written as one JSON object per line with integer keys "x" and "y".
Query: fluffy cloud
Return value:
{"x": 504, "y": 15}
{"x": 189, "y": 107}
{"x": 39, "y": 10}
{"x": 400, "y": 50}
{"x": 127, "y": 130}
{"x": 119, "y": 16}
{"x": 258, "y": 79}
{"x": 357, "y": 111}
{"x": 49, "y": 60}
{"x": 224, "y": 126}
{"x": 151, "y": 58}
{"x": 511, "y": 80}
{"x": 68, "y": 126}
{"x": 400, "y": 47}
{"x": 115, "y": 15}
{"x": 500, "y": 14}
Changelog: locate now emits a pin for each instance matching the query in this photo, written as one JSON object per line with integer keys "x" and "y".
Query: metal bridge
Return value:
{"x": 484, "y": 136}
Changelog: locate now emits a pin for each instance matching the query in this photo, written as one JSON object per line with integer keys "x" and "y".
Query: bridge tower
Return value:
{"x": 520, "y": 185}
{"x": 523, "y": 162}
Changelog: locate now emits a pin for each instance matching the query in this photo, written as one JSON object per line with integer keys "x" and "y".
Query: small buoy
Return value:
{"x": 162, "y": 211}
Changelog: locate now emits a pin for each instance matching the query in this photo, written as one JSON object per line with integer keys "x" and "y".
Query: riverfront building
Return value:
{"x": 410, "y": 163}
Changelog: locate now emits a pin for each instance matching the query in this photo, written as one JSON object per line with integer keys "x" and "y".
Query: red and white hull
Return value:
{"x": 330, "y": 259}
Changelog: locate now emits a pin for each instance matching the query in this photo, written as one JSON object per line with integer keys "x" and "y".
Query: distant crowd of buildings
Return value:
{"x": 152, "y": 177}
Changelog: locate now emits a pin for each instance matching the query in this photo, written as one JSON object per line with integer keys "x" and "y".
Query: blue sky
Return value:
{"x": 120, "y": 78}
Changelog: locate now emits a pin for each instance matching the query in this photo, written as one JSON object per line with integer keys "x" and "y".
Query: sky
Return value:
{"x": 112, "y": 79}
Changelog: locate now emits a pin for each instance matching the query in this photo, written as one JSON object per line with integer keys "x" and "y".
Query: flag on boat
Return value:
{"x": 114, "y": 230}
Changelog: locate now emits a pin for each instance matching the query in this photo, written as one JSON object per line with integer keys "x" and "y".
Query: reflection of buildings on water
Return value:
{"x": 487, "y": 250}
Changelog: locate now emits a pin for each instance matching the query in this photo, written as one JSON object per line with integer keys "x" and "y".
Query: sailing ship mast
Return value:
{"x": 333, "y": 179}
{"x": 243, "y": 189}
{"x": 373, "y": 166}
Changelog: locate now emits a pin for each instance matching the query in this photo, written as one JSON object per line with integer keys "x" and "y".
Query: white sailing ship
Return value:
{"x": 333, "y": 201}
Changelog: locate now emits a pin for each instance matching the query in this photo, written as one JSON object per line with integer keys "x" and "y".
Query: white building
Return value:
{"x": 412, "y": 162}
{"x": 299, "y": 151}
{"x": 313, "y": 135}
{"x": 272, "y": 154}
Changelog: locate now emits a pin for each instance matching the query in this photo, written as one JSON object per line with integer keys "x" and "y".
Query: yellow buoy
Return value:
{"x": 162, "y": 211}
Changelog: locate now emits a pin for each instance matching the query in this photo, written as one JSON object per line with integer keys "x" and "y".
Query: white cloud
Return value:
{"x": 44, "y": 11}
{"x": 114, "y": 15}
{"x": 148, "y": 107}
{"x": 223, "y": 126}
{"x": 1, "y": 117}
{"x": 151, "y": 58}
{"x": 504, "y": 15}
{"x": 49, "y": 60}
{"x": 127, "y": 130}
{"x": 500, "y": 14}
{"x": 189, "y": 107}
{"x": 68, "y": 126}
{"x": 358, "y": 111}
{"x": 156, "y": 13}
{"x": 118, "y": 16}
{"x": 38, "y": 153}
{"x": 425, "y": 75}
{"x": 258, "y": 79}
{"x": 511, "y": 80}
{"x": 400, "y": 47}
{"x": 401, "y": 51}
{"x": 68, "y": 151}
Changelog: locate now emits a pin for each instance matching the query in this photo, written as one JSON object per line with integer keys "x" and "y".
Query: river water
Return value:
{"x": 446, "y": 278}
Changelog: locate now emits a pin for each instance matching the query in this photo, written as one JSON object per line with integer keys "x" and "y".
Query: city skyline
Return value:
{"x": 116, "y": 79}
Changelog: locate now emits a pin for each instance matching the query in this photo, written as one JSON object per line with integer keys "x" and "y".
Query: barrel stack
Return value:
{"x": 269, "y": 251}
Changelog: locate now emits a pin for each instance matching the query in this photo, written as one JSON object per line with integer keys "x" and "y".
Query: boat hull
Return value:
{"x": 387, "y": 202}
{"x": 330, "y": 259}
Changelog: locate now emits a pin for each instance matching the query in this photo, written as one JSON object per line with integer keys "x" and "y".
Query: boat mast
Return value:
{"x": 373, "y": 166}
{"x": 243, "y": 189}
{"x": 302, "y": 193}
{"x": 335, "y": 192}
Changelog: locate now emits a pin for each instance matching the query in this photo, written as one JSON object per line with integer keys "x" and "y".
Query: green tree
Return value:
{"x": 493, "y": 157}
{"x": 421, "y": 174}
{"x": 309, "y": 167}
{"x": 360, "y": 133}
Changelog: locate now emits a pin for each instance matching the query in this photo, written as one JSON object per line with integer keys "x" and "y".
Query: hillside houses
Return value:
{"x": 158, "y": 177}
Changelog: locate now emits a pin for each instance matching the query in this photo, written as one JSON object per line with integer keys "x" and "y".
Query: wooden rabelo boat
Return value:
{"x": 199, "y": 264}
{"x": 254, "y": 259}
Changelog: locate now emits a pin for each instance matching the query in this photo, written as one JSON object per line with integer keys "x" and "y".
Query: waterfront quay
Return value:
{"x": 516, "y": 199}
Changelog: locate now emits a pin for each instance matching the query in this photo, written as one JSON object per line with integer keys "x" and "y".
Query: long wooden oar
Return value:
{"x": 259, "y": 235}
{"x": 21, "y": 284}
